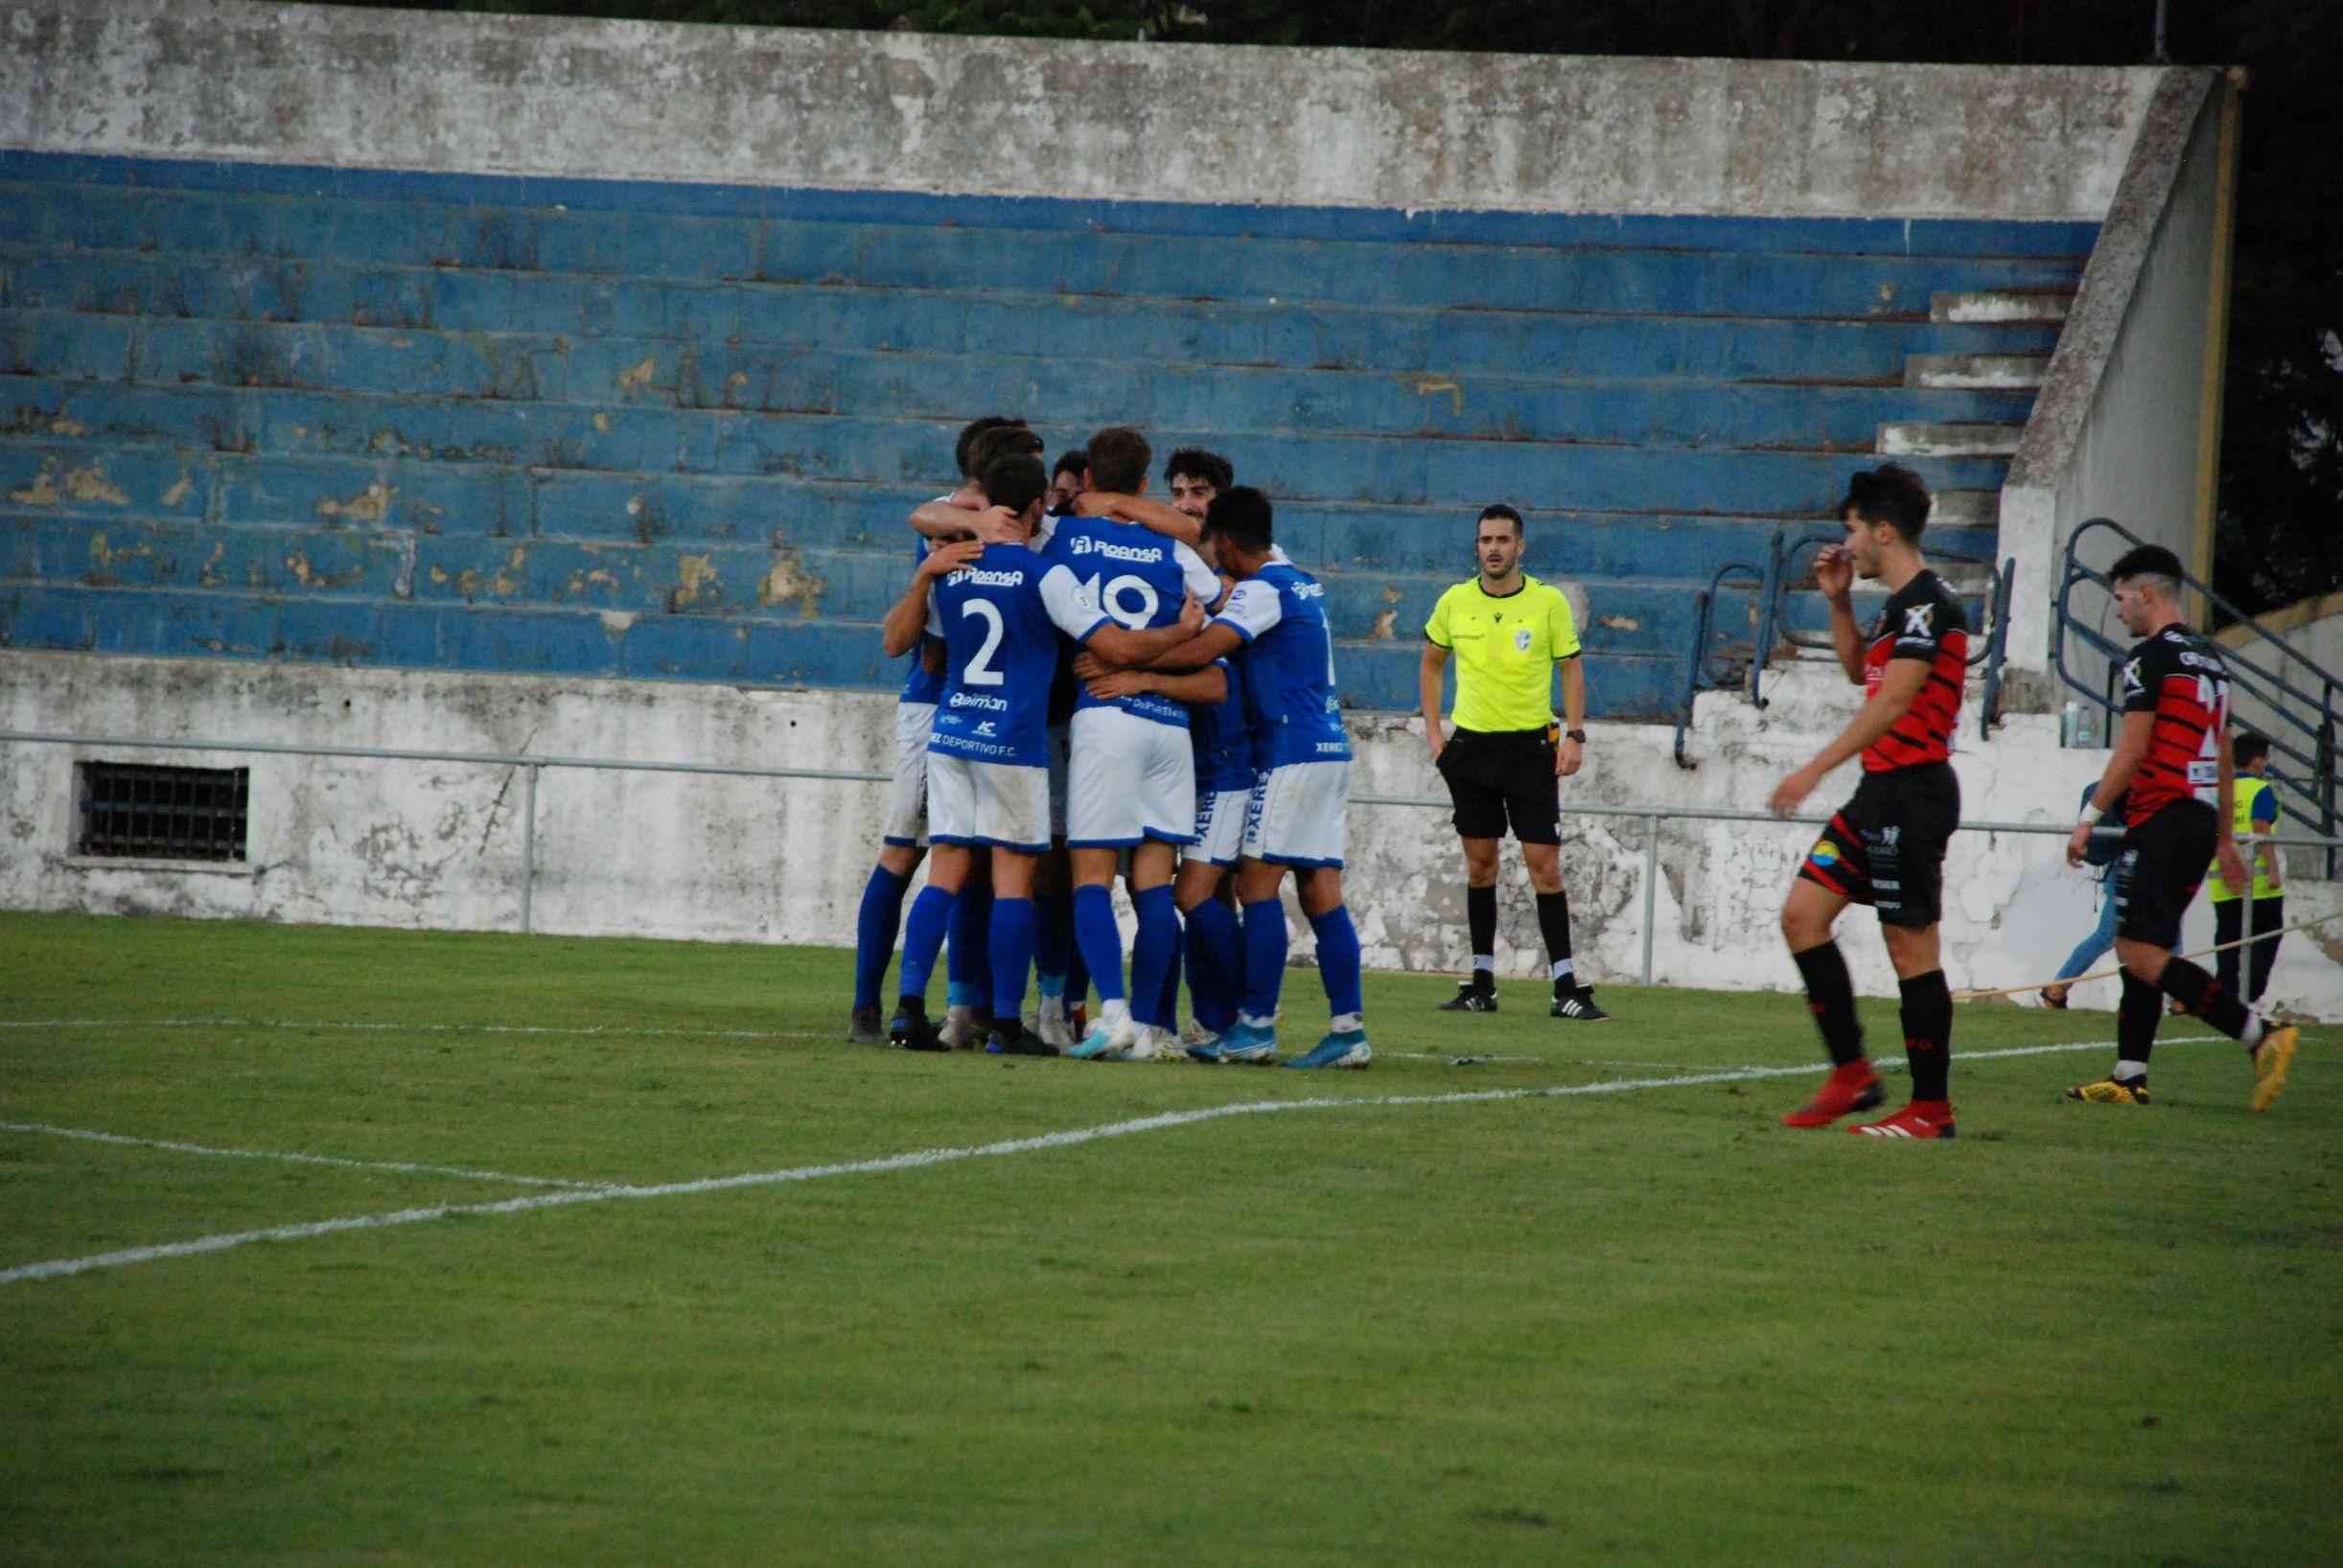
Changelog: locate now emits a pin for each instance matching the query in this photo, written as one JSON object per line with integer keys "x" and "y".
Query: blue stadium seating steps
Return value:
{"x": 671, "y": 431}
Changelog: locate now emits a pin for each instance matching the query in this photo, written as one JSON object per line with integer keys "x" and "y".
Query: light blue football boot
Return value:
{"x": 1348, "y": 1048}
{"x": 1246, "y": 1042}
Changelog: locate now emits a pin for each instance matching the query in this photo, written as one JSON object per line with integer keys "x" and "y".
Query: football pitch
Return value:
{"x": 1583, "y": 1300}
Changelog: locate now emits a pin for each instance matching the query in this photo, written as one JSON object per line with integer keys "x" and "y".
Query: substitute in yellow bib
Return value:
{"x": 1510, "y": 635}
{"x": 2257, "y": 814}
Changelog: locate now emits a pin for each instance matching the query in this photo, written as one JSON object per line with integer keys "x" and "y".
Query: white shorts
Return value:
{"x": 971, "y": 802}
{"x": 1220, "y": 825}
{"x": 907, "y": 804}
{"x": 1296, "y": 815}
{"x": 1131, "y": 778}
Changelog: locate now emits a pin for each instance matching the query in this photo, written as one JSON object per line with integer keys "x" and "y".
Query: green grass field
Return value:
{"x": 1642, "y": 1326}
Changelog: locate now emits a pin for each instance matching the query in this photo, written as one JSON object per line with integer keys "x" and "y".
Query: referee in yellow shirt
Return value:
{"x": 1509, "y": 633}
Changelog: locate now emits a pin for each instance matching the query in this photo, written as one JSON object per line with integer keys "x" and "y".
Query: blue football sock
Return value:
{"x": 968, "y": 963}
{"x": 1053, "y": 941}
{"x": 1265, "y": 957}
{"x": 1152, "y": 953}
{"x": 875, "y": 932}
{"x": 1216, "y": 964}
{"x": 931, "y": 913}
{"x": 1167, "y": 1007}
{"x": 1013, "y": 954}
{"x": 1077, "y": 973}
{"x": 1339, "y": 959}
{"x": 1101, "y": 940}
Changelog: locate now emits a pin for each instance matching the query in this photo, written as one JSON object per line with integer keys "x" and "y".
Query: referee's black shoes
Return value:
{"x": 1470, "y": 998}
{"x": 1578, "y": 1003}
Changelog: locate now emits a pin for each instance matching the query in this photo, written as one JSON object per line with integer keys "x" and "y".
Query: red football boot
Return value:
{"x": 1848, "y": 1089}
{"x": 1922, "y": 1118}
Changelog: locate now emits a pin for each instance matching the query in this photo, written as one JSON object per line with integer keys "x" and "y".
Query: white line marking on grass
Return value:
{"x": 89, "y": 1136}
{"x": 918, "y": 1158}
{"x": 587, "y": 1029}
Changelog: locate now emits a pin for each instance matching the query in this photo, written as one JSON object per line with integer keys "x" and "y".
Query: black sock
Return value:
{"x": 1928, "y": 1034}
{"x": 2136, "y": 1018}
{"x": 2207, "y": 997}
{"x": 1830, "y": 996}
{"x": 1554, "y": 922}
{"x": 1480, "y": 923}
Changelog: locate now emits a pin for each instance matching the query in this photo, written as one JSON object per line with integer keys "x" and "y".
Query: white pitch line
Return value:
{"x": 585, "y": 1030}
{"x": 400, "y": 1165}
{"x": 918, "y": 1158}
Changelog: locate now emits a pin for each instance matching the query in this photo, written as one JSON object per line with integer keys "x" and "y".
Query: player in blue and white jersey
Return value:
{"x": 1130, "y": 779}
{"x": 1204, "y": 891}
{"x": 1294, "y": 821}
{"x": 998, "y": 610}
{"x": 904, "y": 832}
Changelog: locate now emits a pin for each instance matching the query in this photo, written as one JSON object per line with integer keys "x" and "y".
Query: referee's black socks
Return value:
{"x": 1554, "y": 923}
{"x": 1830, "y": 996}
{"x": 1480, "y": 923}
{"x": 1928, "y": 1033}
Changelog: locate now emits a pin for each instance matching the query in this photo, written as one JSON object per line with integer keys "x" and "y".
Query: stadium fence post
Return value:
{"x": 528, "y": 847}
{"x": 1650, "y": 887}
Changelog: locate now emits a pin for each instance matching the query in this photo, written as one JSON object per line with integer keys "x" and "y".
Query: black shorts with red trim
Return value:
{"x": 2160, "y": 867}
{"x": 1885, "y": 847}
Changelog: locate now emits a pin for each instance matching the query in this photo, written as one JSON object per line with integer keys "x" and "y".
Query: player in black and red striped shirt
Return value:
{"x": 1885, "y": 847}
{"x": 2173, "y": 755}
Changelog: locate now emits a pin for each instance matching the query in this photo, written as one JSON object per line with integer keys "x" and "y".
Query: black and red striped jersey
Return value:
{"x": 1921, "y": 620}
{"x": 2182, "y": 679}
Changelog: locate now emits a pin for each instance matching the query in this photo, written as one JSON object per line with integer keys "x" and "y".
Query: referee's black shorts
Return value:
{"x": 2163, "y": 863}
{"x": 1501, "y": 777}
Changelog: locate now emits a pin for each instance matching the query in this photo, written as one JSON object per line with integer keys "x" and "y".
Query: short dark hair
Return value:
{"x": 1073, "y": 460}
{"x": 2146, "y": 561}
{"x": 1241, "y": 515}
{"x": 1015, "y": 440}
{"x": 1501, "y": 510}
{"x": 1198, "y": 464}
{"x": 968, "y": 433}
{"x": 2245, "y": 748}
{"x": 1015, "y": 480}
{"x": 1119, "y": 458}
{"x": 1890, "y": 493}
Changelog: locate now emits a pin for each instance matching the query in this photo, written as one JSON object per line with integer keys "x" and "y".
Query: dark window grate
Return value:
{"x": 177, "y": 814}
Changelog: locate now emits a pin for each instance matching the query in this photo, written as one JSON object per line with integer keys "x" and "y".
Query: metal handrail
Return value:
{"x": 1651, "y": 816}
{"x": 1697, "y": 661}
{"x": 2317, "y": 787}
{"x": 1773, "y": 583}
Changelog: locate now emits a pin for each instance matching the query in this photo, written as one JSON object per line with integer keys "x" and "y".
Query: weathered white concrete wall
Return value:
{"x": 2115, "y": 431}
{"x": 440, "y": 846}
{"x": 2312, "y": 630}
{"x": 1015, "y": 117}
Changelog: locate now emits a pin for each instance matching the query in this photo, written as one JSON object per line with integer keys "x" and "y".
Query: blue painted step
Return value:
{"x": 1449, "y": 339}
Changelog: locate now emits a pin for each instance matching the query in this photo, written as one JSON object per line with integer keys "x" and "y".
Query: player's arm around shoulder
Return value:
{"x": 911, "y": 615}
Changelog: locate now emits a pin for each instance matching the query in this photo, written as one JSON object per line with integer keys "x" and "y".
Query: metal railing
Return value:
{"x": 2306, "y": 723}
{"x": 1773, "y": 582}
{"x": 1651, "y": 817}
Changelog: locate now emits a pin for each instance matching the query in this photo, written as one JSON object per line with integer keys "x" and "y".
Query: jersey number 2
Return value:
{"x": 980, "y": 671}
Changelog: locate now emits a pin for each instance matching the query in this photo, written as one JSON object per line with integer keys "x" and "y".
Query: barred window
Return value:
{"x": 178, "y": 814}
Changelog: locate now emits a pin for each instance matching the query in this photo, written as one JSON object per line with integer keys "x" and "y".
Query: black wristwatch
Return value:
{"x": 1578, "y": 735}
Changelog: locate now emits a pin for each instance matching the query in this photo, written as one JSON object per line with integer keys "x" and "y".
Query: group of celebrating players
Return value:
{"x": 1108, "y": 685}
{"x": 1104, "y": 684}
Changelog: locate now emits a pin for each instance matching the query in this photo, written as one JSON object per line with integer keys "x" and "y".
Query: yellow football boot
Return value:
{"x": 2271, "y": 1059}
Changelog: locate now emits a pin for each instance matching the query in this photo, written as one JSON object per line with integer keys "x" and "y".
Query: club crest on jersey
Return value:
{"x": 1522, "y": 638}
